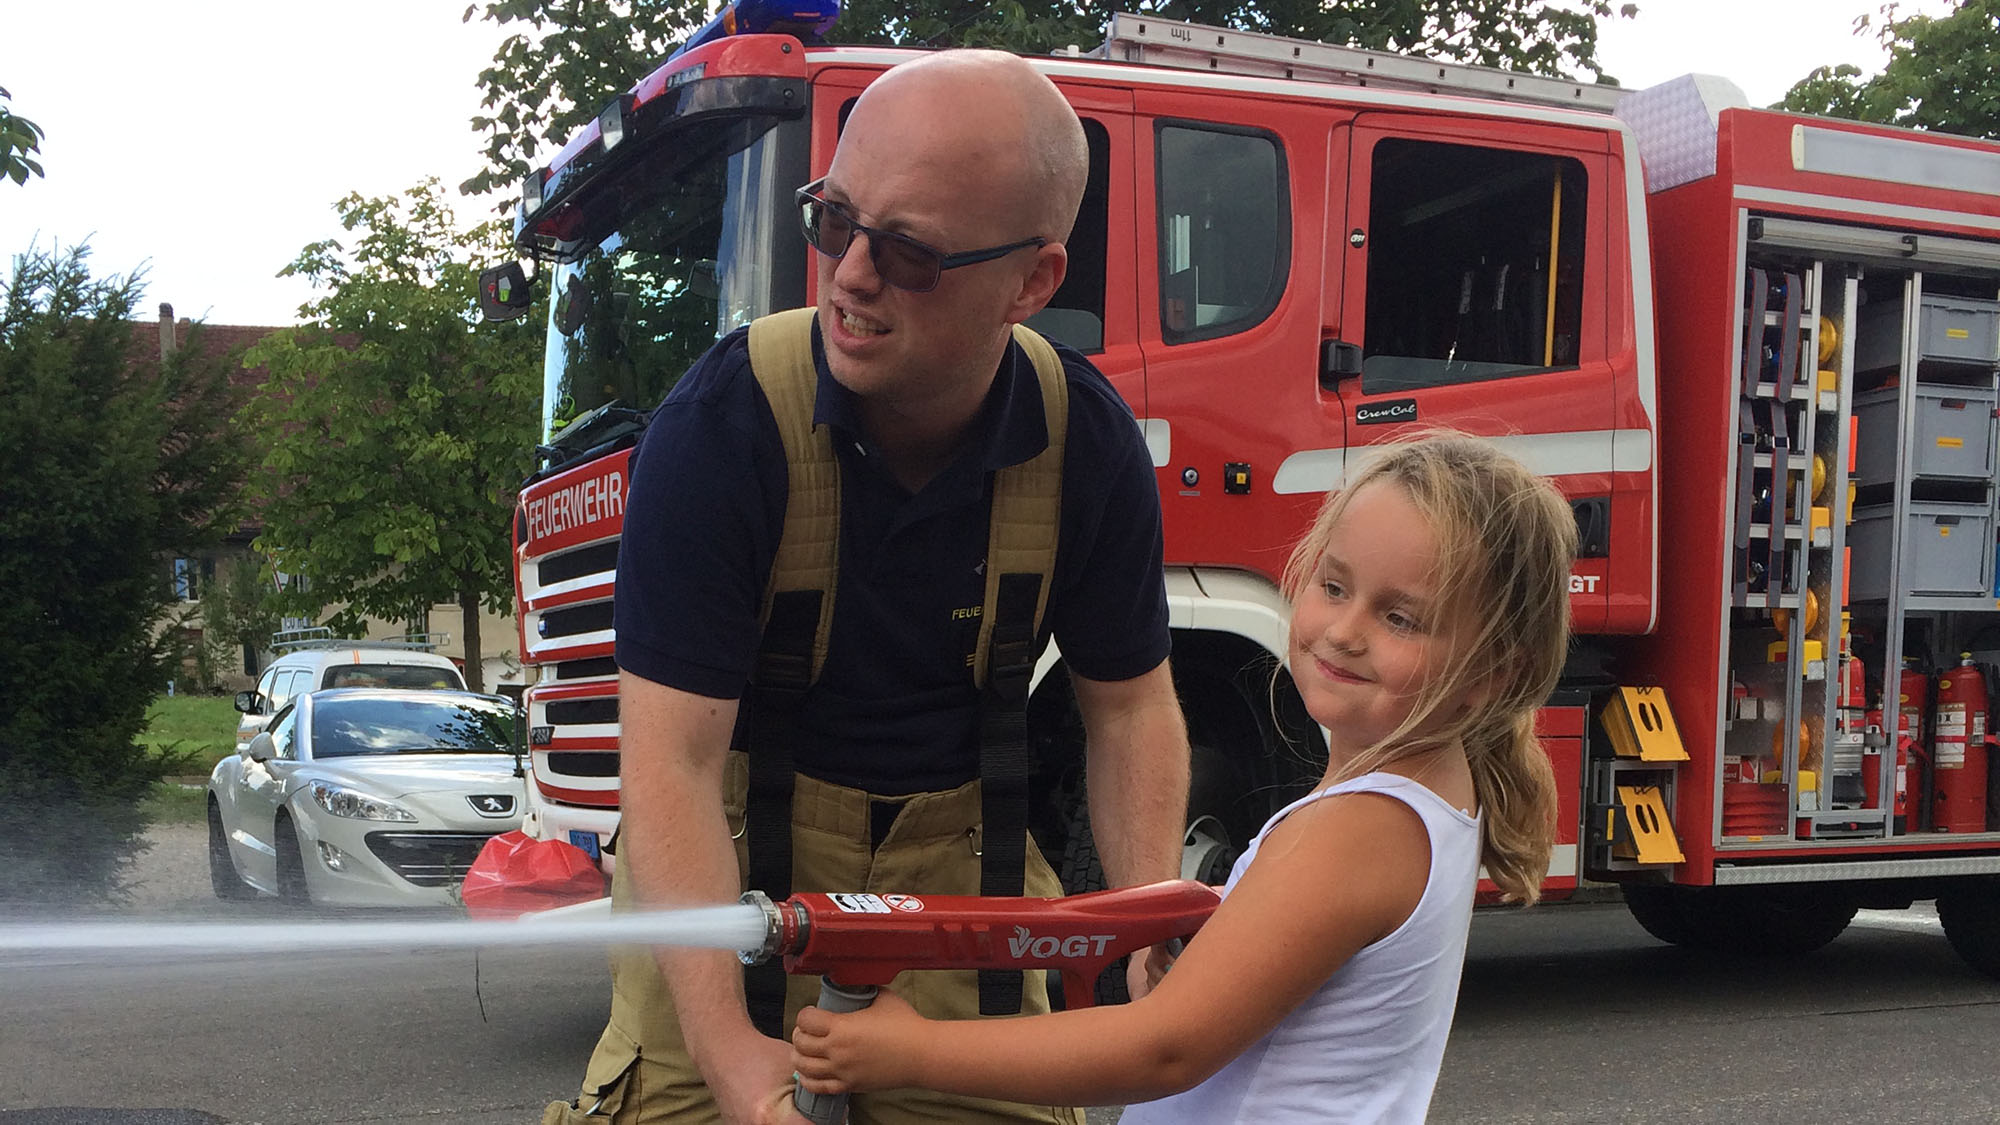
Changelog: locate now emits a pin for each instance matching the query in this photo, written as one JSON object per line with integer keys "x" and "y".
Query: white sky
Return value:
{"x": 208, "y": 139}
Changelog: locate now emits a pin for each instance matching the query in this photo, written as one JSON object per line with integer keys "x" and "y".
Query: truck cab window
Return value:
{"x": 1075, "y": 315}
{"x": 1475, "y": 264}
{"x": 1224, "y": 229}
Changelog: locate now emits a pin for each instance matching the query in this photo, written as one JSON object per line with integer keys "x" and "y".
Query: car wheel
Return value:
{"x": 222, "y": 876}
{"x": 292, "y": 887}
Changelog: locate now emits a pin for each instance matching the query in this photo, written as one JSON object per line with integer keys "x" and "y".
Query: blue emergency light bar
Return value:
{"x": 802, "y": 18}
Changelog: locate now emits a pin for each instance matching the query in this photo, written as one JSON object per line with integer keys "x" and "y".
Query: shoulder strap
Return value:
{"x": 1023, "y": 530}
{"x": 809, "y": 547}
{"x": 797, "y": 617}
{"x": 1027, "y": 507}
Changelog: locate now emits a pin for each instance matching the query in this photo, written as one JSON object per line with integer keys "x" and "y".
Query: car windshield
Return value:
{"x": 691, "y": 257}
{"x": 415, "y": 676}
{"x": 383, "y": 725}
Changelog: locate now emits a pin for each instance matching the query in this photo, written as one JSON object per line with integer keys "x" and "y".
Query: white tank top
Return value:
{"x": 1367, "y": 1045}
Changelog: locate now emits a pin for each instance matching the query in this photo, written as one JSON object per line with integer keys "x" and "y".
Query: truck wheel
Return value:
{"x": 1970, "y": 912}
{"x": 1081, "y": 870}
{"x": 1779, "y": 921}
{"x": 1768, "y": 921}
{"x": 1207, "y": 846}
{"x": 1658, "y": 912}
{"x": 222, "y": 876}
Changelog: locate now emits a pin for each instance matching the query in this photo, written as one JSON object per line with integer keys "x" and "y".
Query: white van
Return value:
{"x": 310, "y": 659}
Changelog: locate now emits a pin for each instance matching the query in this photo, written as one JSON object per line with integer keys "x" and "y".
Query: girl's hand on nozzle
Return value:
{"x": 1157, "y": 960}
{"x": 872, "y": 1049}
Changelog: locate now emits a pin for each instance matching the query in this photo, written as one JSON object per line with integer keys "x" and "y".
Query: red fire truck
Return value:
{"x": 1757, "y": 351}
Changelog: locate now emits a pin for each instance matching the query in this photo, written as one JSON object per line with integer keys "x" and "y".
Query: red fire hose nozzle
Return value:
{"x": 859, "y": 942}
{"x": 866, "y": 939}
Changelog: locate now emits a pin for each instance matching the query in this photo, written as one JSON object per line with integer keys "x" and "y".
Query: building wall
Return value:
{"x": 499, "y": 638}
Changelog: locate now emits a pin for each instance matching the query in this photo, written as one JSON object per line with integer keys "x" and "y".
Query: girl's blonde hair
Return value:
{"x": 1506, "y": 541}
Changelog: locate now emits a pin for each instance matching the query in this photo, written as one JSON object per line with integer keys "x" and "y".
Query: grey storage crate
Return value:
{"x": 1954, "y": 436}
{"x": 1949, "y": 330}
{"x": 1948, "y": 550}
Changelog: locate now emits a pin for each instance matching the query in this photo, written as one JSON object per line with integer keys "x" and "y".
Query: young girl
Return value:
{"x": 1430, "y": 616}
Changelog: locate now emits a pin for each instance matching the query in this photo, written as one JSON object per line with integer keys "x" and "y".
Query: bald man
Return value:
{"x": 940, "y": 224}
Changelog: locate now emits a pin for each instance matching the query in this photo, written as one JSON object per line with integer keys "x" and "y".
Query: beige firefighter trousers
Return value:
{"x": 640, "y": 1073}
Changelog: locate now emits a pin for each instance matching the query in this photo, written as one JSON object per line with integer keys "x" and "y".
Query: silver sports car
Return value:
{"x": 365, "y": 797}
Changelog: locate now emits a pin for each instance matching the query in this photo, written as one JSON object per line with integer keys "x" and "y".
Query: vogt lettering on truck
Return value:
{"x": 585, "y": 502}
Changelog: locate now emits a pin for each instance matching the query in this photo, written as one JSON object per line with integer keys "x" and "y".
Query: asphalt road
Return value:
{"x": 1568, "y": 1014}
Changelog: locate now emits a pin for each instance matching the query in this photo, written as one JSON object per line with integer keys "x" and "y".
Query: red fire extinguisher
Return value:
{"x": 1853, "y": 683}
{"x": 1913, "y": 700}
{"x": 1871, "y": 773}
{"x": 1960, "y": 801}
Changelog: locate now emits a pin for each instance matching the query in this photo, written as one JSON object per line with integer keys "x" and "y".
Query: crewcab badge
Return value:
{"x": 1378, "y": 413}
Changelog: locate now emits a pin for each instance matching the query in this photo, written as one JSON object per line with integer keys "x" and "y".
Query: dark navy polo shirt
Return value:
{"x": 895, "y": 709}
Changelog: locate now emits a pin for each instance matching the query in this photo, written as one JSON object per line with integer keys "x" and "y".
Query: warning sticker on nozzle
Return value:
{"x": 908, "y": 904}
{"x": 860, "y": 904}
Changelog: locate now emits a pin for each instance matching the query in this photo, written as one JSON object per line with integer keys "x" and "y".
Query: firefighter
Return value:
{"x": 939, "y": 227}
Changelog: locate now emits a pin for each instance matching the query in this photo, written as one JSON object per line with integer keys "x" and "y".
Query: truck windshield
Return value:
{"x": 689, "y": 261}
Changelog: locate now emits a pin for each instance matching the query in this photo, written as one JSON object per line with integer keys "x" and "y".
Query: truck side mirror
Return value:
{"x": 1338, "y": 360}
{"x": 261, "y": 748}
{"x": 505, "y": 292}
{"x": 249, "y": 702}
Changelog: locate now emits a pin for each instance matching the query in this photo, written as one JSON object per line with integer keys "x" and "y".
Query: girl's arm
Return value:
{"x": 1332, "y": 878}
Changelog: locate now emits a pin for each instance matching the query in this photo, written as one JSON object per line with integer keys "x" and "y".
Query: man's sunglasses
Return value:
{"x": 898, "y": 259}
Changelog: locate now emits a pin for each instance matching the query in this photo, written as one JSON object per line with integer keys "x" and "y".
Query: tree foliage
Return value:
{"x": 400, "y": 426}
{"x": 238, "y": 609}
{"x": 567, "y": 58}
{"x": 1943, "y": 73}
{"x": 18, "y": 137}
{"x": 114, "y": 460}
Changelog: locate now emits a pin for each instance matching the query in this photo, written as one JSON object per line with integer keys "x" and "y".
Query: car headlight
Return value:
{"x": 342, "y": 801}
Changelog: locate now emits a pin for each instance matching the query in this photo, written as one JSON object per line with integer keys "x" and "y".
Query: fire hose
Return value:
{"x": 858, "y": 943}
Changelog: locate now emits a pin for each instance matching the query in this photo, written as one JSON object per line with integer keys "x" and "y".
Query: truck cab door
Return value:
{"x": 1231, "y": 278}
{"x": 1473, "y": 295}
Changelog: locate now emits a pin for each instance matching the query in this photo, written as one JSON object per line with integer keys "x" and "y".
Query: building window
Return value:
{"x": 188, "y": 577}
{"x": 1224, "y": 229}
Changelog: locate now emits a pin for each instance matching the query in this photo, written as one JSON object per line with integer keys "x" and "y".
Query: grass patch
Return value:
{"x": 196, "y": 731}
{"x": 173, "y": 803}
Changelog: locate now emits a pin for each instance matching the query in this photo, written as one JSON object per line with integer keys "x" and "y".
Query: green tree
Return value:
{"x": 18, "y": 137}
{"x": 400, "y": 427}
{"x": 238, "y": 609}
{"x": 568, "y": 58}
{"x": 1943, "y": 73}
{"x": 114, "y": 460}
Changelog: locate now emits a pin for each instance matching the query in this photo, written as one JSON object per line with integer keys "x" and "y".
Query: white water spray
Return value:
{"x": 736, "y": 927}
